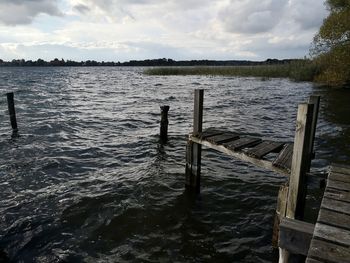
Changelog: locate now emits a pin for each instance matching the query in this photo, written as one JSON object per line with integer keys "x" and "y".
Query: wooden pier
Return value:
{"x": 328, "y": 240}
{"x": 331, "y": 237}
{"x": 291, "y": 234}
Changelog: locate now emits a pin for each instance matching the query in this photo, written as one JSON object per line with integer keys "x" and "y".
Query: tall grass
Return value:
{"x": 303, "y": 70}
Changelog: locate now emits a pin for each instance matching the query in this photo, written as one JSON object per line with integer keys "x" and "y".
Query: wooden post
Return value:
{"x": 300, "y": 164}
{"x": 164, "y": 123}
{"x": 194, "y": 150}
{"x": 280, "y": 213}
{"x": 315, "y": 100}
{"x": 12, "y": 112}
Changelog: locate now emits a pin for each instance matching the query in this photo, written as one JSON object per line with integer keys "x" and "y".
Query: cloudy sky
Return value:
{"x": 121, "y": 30}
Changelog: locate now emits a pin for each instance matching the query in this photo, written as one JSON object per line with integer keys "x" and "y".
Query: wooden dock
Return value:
{"x": 331, "y": 238}
{"x": 327, "y": 241}
{"x": 272, "y": 155}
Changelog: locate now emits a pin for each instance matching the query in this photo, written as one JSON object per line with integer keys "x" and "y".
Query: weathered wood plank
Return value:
{"x": 284, "y": 158}
{"x": 300, "y": 162}
{"x": 194, "y": 150}
{"x": 223, "y": 138}
{"x": 315, "y": 100}
{"x": 331, "y": 240}
{"x": 209, "y": 132}
{"x": 338, "y": 185}
{"x": 242, "y": 143}
{"x": 337, "y": 195}
{"x": 331, "y": 233}
{"x": 280, "y": 213}
{"x": 343, "y": 169}
{"x": 240, "y": 155}
{"x": 336, "y": 219}
{"x": 328, "y": 252}
{"x": 198, "y": 111}
{"x": 264, "y": 148}
{"x": 340, "y": 177}
{"x": 335, "y": 205}
{"x": 295, "y": 236}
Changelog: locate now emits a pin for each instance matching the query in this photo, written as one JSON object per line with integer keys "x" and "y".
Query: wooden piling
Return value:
{"x": 12, "y": 112}
{"x": 300, "y": 165}
{"x": 300, "y": 162}
{"x": 194, "y": 150}
{"x": 315, "y": 100}
{"x": 164, "y": 123}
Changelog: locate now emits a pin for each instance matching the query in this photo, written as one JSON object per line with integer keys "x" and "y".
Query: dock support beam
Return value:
{"x": 194, "y": 150}
{"x": 164, "y": 123}
{"x": 300, "y": 162}
{"x": 12, "y": 112}
{"x": 301, "y": 159}
{"x": 315, "y": 100}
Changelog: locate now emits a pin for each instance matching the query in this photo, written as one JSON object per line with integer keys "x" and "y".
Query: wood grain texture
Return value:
{"x": 264, "y": 148}
{"x": 328, "y": 252}
{"x": 284, "y": 158}
{"x": 242, "y": 142}
{"x": 223, "y": 138}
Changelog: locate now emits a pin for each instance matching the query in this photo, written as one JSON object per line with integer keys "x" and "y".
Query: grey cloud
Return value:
{"x": 15, "y": 12}
{"x": 82, "y": 8}
{"x": 250, "y": 16}
{"x": 308, "y": 13}
{"x": 116, "y": 8}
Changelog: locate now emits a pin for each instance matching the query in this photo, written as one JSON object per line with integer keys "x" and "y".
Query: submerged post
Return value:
{"x": 12, "y": 112}
{"x": 164, "y": 123}
{"x": 194, "y": 150}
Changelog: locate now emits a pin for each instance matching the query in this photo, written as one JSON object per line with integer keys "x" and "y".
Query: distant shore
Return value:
{"x": 163, "y": 62}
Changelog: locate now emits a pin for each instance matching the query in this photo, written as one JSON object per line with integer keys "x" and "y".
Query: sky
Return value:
{"x": 123, "y": 30}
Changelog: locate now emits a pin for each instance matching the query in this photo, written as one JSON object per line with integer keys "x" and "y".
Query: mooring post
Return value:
{"x": 315, "y": 100}
{"x": 12, "y": 112}
{"x": 300, "y": 164}
{"x": 194, "y": 150}
{"x": 164, "y": 123}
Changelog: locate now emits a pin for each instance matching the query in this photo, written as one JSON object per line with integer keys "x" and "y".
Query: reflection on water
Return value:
{"x": 88, "y": 179}
{"x": 335, "y": 131}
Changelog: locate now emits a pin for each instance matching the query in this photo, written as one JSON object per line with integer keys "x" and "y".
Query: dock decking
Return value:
{"x": 248, "y": 148}
{"x": 331, "y": 237}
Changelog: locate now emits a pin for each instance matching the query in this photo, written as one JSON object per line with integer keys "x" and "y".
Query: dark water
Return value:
{"x": 88, "y": 180}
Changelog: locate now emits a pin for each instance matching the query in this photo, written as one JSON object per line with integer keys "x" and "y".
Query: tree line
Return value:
{"x": 140, "y": 63}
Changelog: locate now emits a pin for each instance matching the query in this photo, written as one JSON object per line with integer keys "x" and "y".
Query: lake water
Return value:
{"x": 89, "y": 181}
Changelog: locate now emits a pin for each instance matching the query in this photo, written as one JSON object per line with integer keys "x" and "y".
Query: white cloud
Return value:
{"x": 183, "y": 29}
{"x": 251, "y": 16}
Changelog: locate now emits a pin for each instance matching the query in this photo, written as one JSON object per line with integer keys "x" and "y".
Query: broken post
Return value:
{"x": 164, "y": 123}
{"x": 193, "y": 151}
{"x": 12, "y": 112}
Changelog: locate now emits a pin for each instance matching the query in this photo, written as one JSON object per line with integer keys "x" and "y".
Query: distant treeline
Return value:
{"x": 139, "y": 63}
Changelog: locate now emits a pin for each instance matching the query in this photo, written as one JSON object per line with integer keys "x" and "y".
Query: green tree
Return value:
{"x": 331, "y": 46}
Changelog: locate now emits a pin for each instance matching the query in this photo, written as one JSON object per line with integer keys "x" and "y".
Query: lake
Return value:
{"x": 89, "y": 181}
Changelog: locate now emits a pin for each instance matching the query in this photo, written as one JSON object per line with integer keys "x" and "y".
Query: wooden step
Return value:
{"x": 264, "y": 148}
{"x": 223, "y": 138}
{"x": 242, "y": 143}
{"x": 284, "y": 159}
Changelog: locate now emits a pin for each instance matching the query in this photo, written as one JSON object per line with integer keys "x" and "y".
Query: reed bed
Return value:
{"x": 298, "y": 71}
